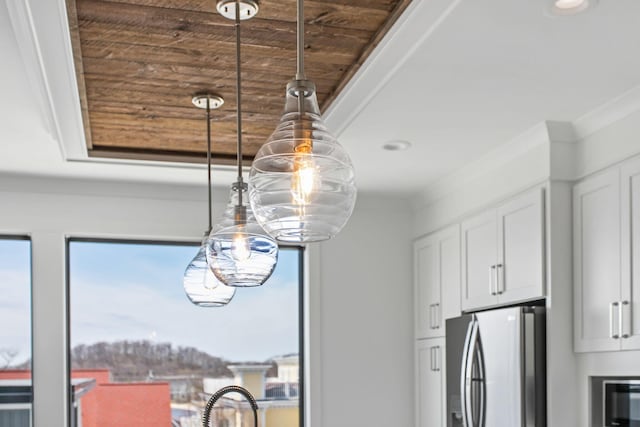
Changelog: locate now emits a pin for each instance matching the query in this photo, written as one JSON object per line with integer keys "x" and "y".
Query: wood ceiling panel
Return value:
{"x": 139, "y": 62}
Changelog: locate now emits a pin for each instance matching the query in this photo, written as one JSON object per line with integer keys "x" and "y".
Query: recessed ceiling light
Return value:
{"x": 396, "y": 145}
{"x": 569, "y": 4}
{"x": 570, "y": 7}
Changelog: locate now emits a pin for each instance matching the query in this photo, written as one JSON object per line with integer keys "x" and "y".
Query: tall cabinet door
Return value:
{"x": 430, "y": 397}
{"x": 437, "y": 281}
{"x": 479, "y": 254}
{"x": 449, "y": 247}
{"x": 427, "y": 286}
{"x": 521, "y": 247}
{"x": 596, "y": 234}
{"x": 630, "y": 290}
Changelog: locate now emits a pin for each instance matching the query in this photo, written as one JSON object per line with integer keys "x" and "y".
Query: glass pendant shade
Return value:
{"x": 200, "y": 284}
{"x": 302, "y": 185}
{"x": 239, "y": 252}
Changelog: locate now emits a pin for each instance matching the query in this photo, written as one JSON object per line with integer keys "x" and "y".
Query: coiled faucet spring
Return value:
{"x": 229, "y": 389}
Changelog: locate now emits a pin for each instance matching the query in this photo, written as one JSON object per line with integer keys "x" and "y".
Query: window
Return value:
{"x": 15, "y": 332}
{"x": 145, "y": 355}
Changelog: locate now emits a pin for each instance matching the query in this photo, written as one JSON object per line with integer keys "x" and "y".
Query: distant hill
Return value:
{"x": 133, "y": 360}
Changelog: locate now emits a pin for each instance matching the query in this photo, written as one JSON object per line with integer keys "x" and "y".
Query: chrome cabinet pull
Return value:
{"x": 500, "y": 279}
{"x": 492, "y": 283}
{"x": 436, "y": 309}
{"x": 432, "y": 317}
{"x": 433, "y": 359}
{"x": 614, "y": 331}
{"x": 625, "y": 327}
{"x": 436, "y": 358}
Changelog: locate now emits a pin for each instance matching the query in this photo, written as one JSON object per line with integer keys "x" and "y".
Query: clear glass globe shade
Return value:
{"x": 202, "y": 287}
{"x": 241, "y": 254}
{"x": 302, "y": 183}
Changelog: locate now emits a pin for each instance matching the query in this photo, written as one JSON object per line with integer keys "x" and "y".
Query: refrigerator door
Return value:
{"x": 457, "y": 329}
{"x": 502, "y": 340}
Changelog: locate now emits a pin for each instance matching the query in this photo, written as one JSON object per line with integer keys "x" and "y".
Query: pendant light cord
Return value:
{"x": 300, "y": 71}
{"x": 209, "y": 158}
{"x": 238, "y": 104}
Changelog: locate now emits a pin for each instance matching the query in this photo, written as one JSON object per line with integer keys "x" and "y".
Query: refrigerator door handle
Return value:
{"x": 466, "y": 377}
{"x": 463, "y": 374}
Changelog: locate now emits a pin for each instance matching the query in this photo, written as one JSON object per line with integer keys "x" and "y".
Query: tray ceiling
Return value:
{"x": 139, "y": 62}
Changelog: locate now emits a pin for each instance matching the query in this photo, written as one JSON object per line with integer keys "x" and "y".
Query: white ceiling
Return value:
{"x": 455, "y": 78}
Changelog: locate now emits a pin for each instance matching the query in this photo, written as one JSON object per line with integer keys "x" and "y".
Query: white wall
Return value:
{"x": 359, "y": 292}
{"x": 366, "y": 326}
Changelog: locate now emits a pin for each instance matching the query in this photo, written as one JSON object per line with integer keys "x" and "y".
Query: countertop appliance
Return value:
{"x": 496, "y": 368}
{"x": 621, "y": 403}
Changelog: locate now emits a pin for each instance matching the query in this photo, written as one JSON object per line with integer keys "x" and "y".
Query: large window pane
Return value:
{"x": 15, "y": 332}
{"x": 143, "y": 355}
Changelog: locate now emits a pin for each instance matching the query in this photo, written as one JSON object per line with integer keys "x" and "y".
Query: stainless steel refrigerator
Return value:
{"x": 496, "y": 368}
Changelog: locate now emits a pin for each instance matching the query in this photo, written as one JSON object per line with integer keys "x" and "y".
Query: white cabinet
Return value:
{"x": 630, "y": 290}
{"x": 596, "y": 234}
{"x": 606, "y": 221}
{"x": 436, "y": 281}
{"x": 503, "y": 253}
{"x": 430, "y": 383}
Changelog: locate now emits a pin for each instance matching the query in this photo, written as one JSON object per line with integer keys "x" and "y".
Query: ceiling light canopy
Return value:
{"x": 302, "y": 185}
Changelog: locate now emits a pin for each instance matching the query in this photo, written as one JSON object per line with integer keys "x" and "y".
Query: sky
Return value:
{"x": 15, "y": 300}
{"x": 134, "y": 292}
{"x": 127, "y": 291}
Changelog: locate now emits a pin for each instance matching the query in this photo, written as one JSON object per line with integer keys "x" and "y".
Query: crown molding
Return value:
{"x": 42, "y": 33}
{"x": 490, "y": 162}
{"x": 607, "y": 114}
{"x": 23, "y": 31}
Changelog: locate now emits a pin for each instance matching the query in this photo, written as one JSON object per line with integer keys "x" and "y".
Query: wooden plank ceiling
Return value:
{"x": 139, "y": 62}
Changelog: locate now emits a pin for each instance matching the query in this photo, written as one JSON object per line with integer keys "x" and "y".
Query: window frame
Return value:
{"x": 29, "y": 406}
{"x": 183, "y": 242}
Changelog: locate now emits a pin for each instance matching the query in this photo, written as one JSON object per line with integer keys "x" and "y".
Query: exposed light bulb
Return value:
{"x": 240, "y": 247}
{"x": 304, "y": 180}
{"x": 201, "y": 286}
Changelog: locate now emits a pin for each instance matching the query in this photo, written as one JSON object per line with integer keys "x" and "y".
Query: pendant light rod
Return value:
{"x": 208, "y": 101}
{"x": 209, "y": 162}
{"x": 238, "y": 103}
{"x": 300, "y": 21}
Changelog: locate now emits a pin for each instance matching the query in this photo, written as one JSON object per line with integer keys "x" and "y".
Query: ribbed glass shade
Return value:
{"x": 201, "y": 286}
{"x": 301, "y": 185}
{"x": 241, "y": 254}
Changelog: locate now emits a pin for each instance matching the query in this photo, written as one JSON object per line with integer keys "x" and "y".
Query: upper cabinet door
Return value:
{"x": 596, "y": 251}
{"x": 521, "y": 248}
{"x": 630, "y": 290}
{"x": 479, "y": 255}
{"x": 426, "y": 286}
{"x": 437, "y": 281}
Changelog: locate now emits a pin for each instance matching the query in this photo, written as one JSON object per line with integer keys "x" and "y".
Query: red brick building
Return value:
{"x": 107, "y": 404}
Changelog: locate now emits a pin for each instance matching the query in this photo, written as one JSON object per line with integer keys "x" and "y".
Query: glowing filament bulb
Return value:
{"x": 240, "y": 249}
{"x": 305, "y": 180}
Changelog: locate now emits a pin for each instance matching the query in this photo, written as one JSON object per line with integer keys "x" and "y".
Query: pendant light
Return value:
{"x": 241, "y": 254}
{"x": 301, "y": 184}
{"x": 200, "y": 284}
